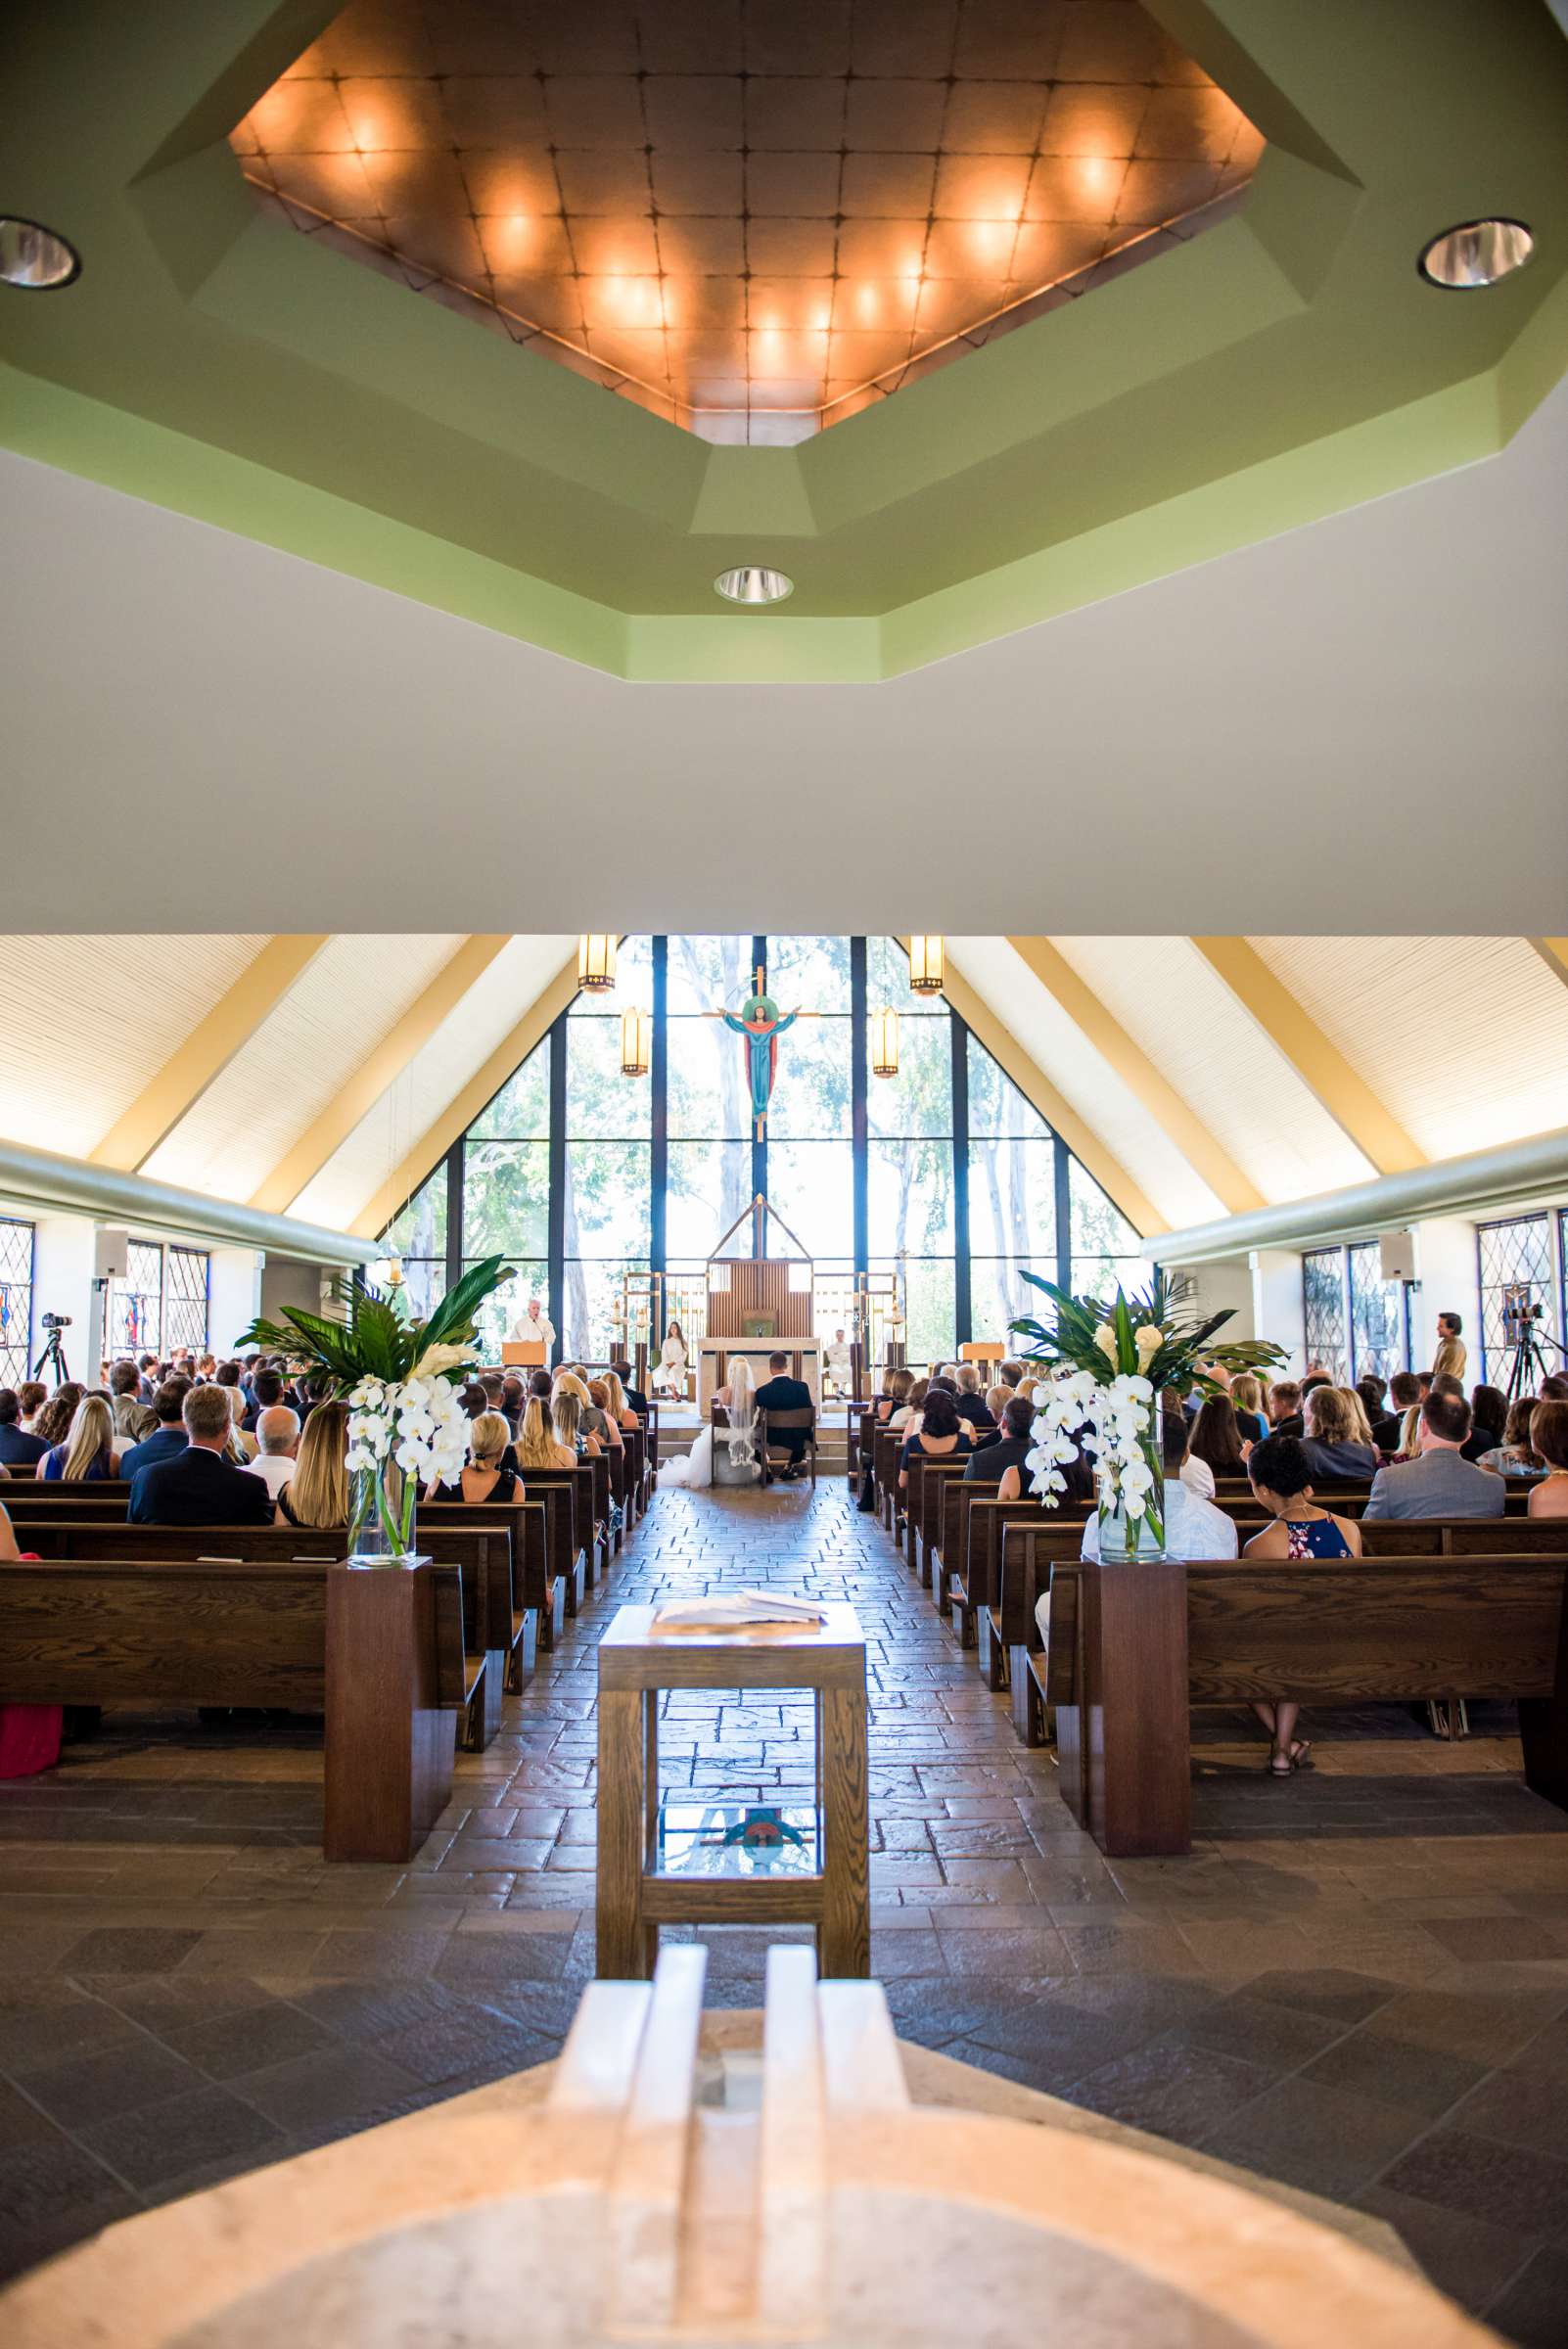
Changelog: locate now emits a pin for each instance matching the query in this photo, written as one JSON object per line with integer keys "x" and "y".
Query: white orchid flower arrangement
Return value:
{"x": 399, "y": 1377}
{"x": 1107, "y": 1363}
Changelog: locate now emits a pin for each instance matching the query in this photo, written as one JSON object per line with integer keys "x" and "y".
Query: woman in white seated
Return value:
{"x": 671, "y": 1376}
{"x": 722, "y": 1455}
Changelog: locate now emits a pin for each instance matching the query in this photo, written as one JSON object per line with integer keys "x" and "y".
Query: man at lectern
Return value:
{"x": 534, "y": 1326}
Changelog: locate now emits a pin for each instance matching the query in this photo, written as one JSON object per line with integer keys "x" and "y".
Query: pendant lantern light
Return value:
{"x": 926, "y": 965}
{"x": 636, "y": 1032}
{"x": 596, "y": 964}
{"x": 885, "y": 1043}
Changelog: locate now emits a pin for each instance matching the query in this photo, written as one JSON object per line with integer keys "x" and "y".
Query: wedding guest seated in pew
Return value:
{"x": 1247, "y": 1398}
{"x": 894, "y": 1396}
{"x": 1516, "y": 1455}
{"x": 905, "y": 1419}
{"x": 169, "y": 1436}
{"x": 565, "y": 1417}
{"x": 1331, "y": 1443}
{"x": 201, "y": 1485}
{"x": 1216, "y": 1446}
{"x": 637, "y": 1400}
{"x": 1193, "y": 1526}
{"x": 1438, "y": 1482}
{"x": 1488, "y": 1417}
{"x": 87, "y": 1456}
{"x": 537, "y": 1443}
{"x": 1281, "y": 1479}
{"x": 1285, "y": 1409}
{"x": 1404, "y": 1395}
{"x": 941, "y": 1435}
{"x": 277, "y": 1432}
{"x": 618, "y": 1405}
{"x": 19, "y": 1449}
{"x": 1548, "y": 1434}
{"x": 970, "y": 1403}
{"x": 316, "y": 1495}
{"x": 54, "y": 1419}
{"x": 488, "y": 1475}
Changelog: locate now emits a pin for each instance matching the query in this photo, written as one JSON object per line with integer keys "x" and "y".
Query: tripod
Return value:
{"x": 1529, "y": 1367}
{"x": 54, "y": 1354}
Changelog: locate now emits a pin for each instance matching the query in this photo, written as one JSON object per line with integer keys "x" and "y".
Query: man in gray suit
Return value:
{"x": 1440, "y": 1484}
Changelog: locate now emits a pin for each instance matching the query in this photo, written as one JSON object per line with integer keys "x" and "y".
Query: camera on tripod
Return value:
{"x": 53, "y": 1321}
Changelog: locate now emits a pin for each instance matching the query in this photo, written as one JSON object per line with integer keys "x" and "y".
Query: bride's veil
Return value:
{"x": 742, "y": 1410}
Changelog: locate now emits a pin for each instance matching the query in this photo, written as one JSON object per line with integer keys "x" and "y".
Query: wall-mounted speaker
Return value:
{"x": 1397, "y": 1250}
{"x": 111, "y": 1254}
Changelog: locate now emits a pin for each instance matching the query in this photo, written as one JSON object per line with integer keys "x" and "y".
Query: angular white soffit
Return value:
{"x": 1192, "y": 1028}
{"x": 434, "y": 1078}
{"x": 1086, "y": 1079}
{"x": 1464, "y": 1040}
{"x": 90, "y": 1021}
{"x": 298, "y": 1058}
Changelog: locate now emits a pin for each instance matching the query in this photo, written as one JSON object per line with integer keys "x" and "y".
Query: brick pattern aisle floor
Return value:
{"x": 1359, "y": 1982}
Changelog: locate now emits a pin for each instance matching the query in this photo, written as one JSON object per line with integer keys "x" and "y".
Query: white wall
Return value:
{"x": 234, "y": 1295}
{"x": 1222, "y": 1286}
{"x": 1279, "y": 1309}
{"x": 1446, "y": 1265}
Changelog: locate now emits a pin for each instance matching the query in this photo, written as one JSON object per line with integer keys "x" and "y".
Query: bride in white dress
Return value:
{"x": 737, "y": 1462}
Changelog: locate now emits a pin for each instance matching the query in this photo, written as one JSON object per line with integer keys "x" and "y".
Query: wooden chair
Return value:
{"x": 772, "y": 1422}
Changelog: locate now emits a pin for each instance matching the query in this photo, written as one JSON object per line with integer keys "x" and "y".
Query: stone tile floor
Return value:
{"x": 1358, "y": 1983}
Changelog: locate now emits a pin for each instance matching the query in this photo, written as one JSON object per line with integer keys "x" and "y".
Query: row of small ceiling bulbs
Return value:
{"x": 596, "y": 976}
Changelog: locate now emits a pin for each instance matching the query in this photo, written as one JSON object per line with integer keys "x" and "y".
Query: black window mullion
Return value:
{"x": 454, "y": 1212}
{"x": 556, "y": 1242}
{"x": 959, "y": 1039}
{"x": 658, "y": 1108}
{"x": 859, "y": 1112}
{"x": 1062, "y": 1171}
{"x": 758, "y": 1140}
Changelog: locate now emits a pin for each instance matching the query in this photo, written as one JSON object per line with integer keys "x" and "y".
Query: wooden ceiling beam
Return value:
{"x": 1057, "y": 1111}
{"x": 206, "y": 1053}
{"x": 1321, "y": 1065}
{"x": 1176, "y": 1117}
{"x": 460, "y": 1112}
{"x": 305, "y": 1159}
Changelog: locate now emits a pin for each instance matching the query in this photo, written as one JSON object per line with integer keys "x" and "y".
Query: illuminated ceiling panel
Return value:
{"x": 752, "y": 218}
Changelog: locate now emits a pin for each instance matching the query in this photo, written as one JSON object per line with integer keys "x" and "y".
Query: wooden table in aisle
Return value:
{"x": 659, "y": 1864}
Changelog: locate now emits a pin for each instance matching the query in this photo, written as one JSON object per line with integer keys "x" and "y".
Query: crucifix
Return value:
{"x": 761, "y": 1024}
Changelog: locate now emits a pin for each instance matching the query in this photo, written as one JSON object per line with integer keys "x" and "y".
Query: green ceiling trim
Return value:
{"x": 125, "y": 452}
{"x": 1279, "y": 368}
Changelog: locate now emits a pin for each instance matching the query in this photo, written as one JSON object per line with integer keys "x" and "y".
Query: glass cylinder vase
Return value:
{"x": 1124, "y": 1535}
{"x": 381, "y": 1501}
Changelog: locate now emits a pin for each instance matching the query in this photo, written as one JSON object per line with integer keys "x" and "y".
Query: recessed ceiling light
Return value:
{"x": 754, "y": 583}
{"x": 1476, "y": 253}
{"x": 33, "y": 258}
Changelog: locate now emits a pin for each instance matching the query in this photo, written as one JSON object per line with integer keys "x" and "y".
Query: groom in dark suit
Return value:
{"x": 783, "y": 1394}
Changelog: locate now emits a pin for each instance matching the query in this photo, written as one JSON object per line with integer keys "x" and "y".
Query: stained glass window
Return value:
{"x": 136, "y": 1302}
{"x": 1512, "y": 1255}
{"x": 186, "y": 1275}
{"x": 1379, "y": 1315}
{"x": 16, "y": 1300}
{"x": 1322, "y": 1277}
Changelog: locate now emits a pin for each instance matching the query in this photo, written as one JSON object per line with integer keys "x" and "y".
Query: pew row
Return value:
{"x": 1132, "y": 1648}
{"x": 379, "y": 1653}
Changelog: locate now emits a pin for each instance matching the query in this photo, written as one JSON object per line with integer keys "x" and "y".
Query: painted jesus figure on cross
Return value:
{"x": 761, "y": 1023}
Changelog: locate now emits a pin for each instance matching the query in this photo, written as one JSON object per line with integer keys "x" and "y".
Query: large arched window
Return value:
{"x": 944, "y": 1175}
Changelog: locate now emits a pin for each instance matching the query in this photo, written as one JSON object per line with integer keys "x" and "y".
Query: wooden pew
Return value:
{"x": 390, "y": 1680}
{"x": 1134, "y": 1648}
{"x": 929, "y": 1481}
{"x": 1043, "y": 1557}
{"x": 482, "y": 1559}
{"x": 538, "y": 1593}
{"x": 886, "y": 1446}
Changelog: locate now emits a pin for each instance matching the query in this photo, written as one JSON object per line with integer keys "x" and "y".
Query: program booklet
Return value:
{"x": 735, "y": 1611}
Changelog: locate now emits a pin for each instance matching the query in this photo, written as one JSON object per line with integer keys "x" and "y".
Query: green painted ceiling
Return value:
{"x": 1286, "y": 365}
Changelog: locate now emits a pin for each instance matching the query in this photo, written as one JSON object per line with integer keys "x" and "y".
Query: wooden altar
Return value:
{"x": 758, "y": 1304}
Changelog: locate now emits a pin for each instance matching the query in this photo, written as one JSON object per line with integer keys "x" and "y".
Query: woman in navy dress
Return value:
{"x": 1281, "y": 1480}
